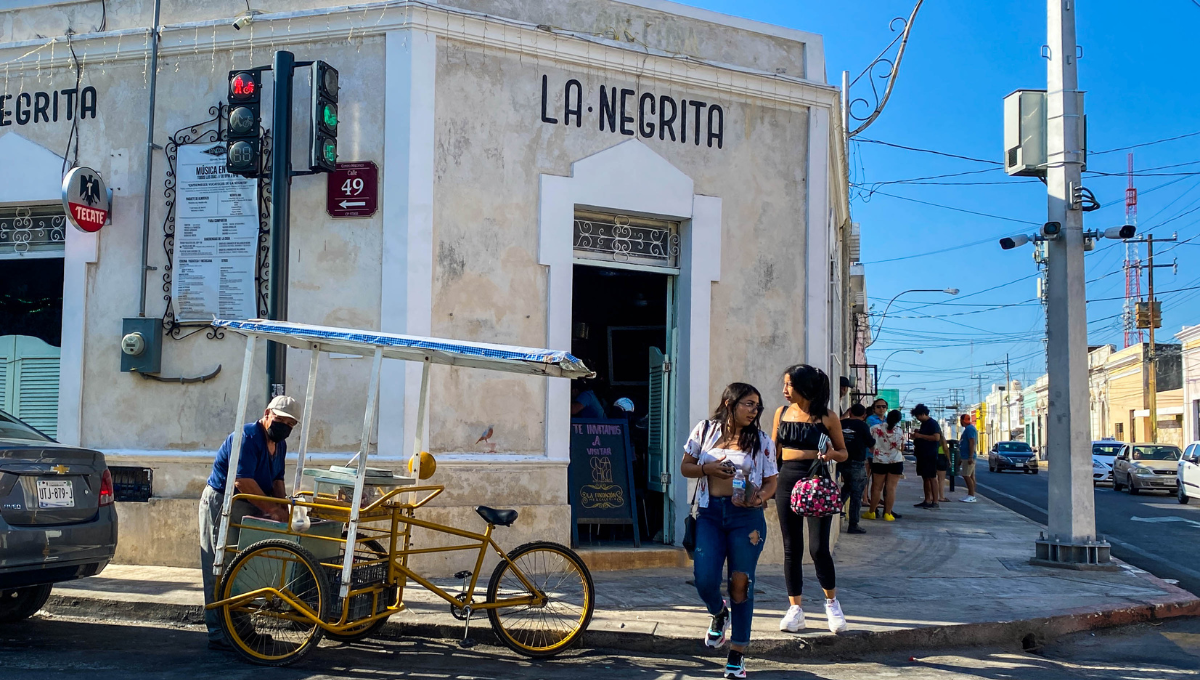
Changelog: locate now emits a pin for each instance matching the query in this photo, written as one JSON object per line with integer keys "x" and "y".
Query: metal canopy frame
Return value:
{"x": 378, "y": 346}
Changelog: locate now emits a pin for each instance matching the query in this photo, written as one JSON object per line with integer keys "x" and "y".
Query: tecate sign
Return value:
{"x": 85, "y": 198}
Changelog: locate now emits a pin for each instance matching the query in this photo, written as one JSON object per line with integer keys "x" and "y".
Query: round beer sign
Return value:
{"x": 85, "y": 198}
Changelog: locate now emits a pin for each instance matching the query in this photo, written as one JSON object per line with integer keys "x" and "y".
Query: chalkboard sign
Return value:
{"x": 601, "y": 474}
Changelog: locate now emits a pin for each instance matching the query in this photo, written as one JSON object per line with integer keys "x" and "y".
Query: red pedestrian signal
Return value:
{"x": 242, "y": 123}
{"x": 243, "y": 86}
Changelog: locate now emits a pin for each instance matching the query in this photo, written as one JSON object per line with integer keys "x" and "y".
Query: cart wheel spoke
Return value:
{"x": 560, "y": 579}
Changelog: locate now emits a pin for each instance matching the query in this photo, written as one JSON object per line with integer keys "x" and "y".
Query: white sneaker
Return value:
{"x": 794, "y": 619}
{"x": 833, "y": 612}
{"x": 967, "y": 499}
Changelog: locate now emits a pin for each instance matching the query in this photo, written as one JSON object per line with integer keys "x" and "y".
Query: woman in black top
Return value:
{"x": 806, "y": 431}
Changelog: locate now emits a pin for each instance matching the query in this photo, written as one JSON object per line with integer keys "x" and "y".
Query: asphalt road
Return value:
{"x": 1151, "y": 531}
{"x": 58, "y": 648}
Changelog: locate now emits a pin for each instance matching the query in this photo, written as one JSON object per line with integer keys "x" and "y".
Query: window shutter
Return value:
{"x": 37, "y": 393}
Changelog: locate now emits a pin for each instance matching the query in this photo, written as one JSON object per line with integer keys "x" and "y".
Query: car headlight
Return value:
{"x": 1143, "y": 470}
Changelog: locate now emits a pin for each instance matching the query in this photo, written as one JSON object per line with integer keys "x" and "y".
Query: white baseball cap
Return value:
{"x": 284, "y": 406}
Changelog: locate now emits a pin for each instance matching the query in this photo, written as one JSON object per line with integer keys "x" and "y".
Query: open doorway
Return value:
{"x": 31, "y": 309}
{"x": 621, "y": 321}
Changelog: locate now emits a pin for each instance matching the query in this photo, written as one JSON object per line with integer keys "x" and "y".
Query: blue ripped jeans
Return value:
{"x": 726, "y": 533}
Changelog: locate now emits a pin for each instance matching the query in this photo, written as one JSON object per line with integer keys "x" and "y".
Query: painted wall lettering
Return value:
{"x": 625, "y": 111}
{"x": 31, "y": 108}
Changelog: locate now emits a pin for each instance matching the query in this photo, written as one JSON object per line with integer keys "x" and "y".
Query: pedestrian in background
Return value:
{"x": 926, "y": 440}
{"x": 943, "y": 467}
{"x": 875, "y": 417}
{"x": 854, "y": 471}
{"x": 967, "y": 445}
{"x": 734, "y": 463}
{"x": 805, "y": 431}
{"x": 887, "y": 468}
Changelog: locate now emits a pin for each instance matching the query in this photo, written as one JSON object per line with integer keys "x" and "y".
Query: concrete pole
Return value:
{"x": 1072, "y": 536}
{"x": 1152, "y": 367}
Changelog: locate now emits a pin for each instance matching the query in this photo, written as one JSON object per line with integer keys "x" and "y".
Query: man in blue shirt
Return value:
{"x": 259, "y": 473}
{"x": 968, "y": 445}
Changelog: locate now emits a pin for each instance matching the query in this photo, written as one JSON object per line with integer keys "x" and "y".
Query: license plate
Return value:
{"x": 55, "y": 493}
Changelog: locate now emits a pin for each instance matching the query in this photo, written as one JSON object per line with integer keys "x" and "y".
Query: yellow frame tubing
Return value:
{"x": 401, "y": 513}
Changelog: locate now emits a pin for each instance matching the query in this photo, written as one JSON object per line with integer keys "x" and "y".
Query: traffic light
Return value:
{"x": 242, "y": 144}
{"x": 323, "y": 146}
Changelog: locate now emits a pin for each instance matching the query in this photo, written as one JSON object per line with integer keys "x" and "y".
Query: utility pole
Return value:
{"x": 281, "y": 201}
{"x": 1071, "y": 539}
{"x": 1006, "y": 419}
{"x": 1149, "y": 316}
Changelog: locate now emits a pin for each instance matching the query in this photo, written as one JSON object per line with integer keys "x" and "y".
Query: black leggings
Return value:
{"x": 791, "y": 527}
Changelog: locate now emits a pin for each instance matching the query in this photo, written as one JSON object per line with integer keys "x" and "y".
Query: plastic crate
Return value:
{"x": 132, "y": 484}
{"x": 360, "y": 577}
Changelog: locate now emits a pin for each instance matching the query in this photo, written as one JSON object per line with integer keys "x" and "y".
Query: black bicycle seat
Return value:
{"x": 500, "y": 518}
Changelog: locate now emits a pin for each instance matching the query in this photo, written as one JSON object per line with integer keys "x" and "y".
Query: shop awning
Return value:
{"x": 507, "y": 358}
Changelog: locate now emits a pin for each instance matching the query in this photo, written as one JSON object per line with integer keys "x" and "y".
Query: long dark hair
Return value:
{"x": 893, "y": 417}
{"x": 812, "y": 384}
{"x": 750, "y": 439}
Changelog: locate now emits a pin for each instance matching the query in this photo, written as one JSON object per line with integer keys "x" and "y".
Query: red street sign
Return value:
{"x": 85, "y": 198}
{"x": 352, "y": 190}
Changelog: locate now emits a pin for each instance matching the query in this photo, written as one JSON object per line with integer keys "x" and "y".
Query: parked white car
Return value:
{"x": 1188, "y": 472}
{"x": 1104, "y": 454}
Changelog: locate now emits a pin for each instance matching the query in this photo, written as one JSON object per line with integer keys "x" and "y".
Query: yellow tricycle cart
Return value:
{"x": 339, "y": 568}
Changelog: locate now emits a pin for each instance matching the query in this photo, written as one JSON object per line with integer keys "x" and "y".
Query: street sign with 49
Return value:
{"x": 352, "y": 190}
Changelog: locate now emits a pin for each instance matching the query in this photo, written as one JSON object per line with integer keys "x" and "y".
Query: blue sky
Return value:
{"x": 962, "y": 59}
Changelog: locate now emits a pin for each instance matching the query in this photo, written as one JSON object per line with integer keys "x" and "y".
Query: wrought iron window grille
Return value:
{"x": 626, "y": 240}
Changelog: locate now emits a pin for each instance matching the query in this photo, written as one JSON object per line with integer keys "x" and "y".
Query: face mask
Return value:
{"x": 278, "y": 431}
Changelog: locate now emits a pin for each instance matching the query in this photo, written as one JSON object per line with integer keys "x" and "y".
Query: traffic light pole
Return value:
{"x": 1071, "y": 539}
{"x": 283, "y": 67}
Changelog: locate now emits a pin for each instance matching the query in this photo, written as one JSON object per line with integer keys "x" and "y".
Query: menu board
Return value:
{"x": 216, "y": 238}
{"x": 601, "y": 473}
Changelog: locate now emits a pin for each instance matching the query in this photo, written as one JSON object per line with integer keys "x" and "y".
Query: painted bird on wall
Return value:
{"x": 486, "y": 439}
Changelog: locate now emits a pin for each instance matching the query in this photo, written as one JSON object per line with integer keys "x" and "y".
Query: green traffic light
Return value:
{"x": 329, "y": 150}
{"x": 329, "y": 114}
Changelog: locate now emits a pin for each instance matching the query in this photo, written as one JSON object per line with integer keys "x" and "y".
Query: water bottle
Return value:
{"x": 739, "y": 486}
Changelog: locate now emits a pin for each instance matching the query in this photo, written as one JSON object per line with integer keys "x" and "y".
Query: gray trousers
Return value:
{"x": 210, "y": 524}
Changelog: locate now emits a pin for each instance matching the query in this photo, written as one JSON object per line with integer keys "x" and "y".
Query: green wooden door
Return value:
{"x": 658, "y": 421}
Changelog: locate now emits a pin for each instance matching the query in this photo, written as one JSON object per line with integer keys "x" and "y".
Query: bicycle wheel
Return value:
{"x": 367, "y": 629}
{"x": 560, "y": 575}
{"x": 268, "y": 630}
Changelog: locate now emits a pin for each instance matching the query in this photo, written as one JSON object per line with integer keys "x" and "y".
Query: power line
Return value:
{"x": 930, "y": 151}
{"x": 1157, "y": 141}
{"x": 948, "y": 207}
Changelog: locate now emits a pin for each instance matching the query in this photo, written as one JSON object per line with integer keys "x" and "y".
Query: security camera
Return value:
{"x": 1051, "y": 230}
{"x": 1120, "y": 233}
{"x": 1014, "y": 241}
{"x": 245, "y": 19}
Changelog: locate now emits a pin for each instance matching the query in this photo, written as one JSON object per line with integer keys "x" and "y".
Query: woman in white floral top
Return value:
{"x": 888, "y": 465}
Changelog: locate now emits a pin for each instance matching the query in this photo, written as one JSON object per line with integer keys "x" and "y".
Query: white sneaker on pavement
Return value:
{"x": 794, "y": 619}
{"x": 833, "y": 612}
{"x": 967, "y": 499}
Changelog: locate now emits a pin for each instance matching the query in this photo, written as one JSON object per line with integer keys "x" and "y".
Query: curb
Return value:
{"x": 1026, "y": 633}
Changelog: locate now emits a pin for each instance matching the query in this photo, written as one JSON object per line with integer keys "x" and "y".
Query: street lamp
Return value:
{"x": 904, "y": 398}
{"x": 885, "y": 359}
{"x": 884, "y": 381}
{"x": 875, "y": 334}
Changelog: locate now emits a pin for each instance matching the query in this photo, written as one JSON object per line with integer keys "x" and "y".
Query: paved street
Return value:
{"x": 58, "y": 647}
{"x": 1151, "y": 530}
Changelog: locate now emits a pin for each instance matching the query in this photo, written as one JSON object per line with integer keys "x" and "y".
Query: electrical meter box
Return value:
{"x": 141, "y": 345}
{"x": 1025, "y": 133}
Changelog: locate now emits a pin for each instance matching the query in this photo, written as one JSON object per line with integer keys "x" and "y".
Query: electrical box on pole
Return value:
{"x": 323, "y": 138}
{"x": 1025, "y": 127}
{"x": 242, "y": 145}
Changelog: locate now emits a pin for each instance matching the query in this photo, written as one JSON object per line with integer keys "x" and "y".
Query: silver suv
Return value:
{"x": 57, "y": 519}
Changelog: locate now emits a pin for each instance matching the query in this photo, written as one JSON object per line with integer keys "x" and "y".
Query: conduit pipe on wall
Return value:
{"x": 145, "y": 269}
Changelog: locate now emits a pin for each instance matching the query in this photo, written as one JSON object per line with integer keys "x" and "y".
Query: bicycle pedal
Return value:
{"x": 462, "y": 575}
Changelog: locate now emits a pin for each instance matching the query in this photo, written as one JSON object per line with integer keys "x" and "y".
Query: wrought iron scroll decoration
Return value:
{"x": 210, "y": 130}
{"x": 888, "y": 71}
{"x": 24, "y": 231}
{"x": 619, "y": 240}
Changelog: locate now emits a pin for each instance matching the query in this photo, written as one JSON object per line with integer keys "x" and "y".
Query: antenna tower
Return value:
{"x": 1133, "y": 267}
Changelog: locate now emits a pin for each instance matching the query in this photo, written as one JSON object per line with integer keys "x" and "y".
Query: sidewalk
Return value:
{"x": 935, "y": 578}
